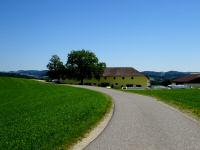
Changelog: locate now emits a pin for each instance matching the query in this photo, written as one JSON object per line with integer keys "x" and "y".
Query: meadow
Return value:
{"x": 36, "y": 115}
{"x": 187, "y": 100}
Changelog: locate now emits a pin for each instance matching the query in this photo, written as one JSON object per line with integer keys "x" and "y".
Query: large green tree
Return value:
{"x": 83, "y": 64}
{"x": 55, "y": 67}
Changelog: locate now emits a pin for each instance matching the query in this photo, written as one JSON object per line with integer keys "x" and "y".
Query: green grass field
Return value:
{"x": 187, "y": 100}
{"x": 36, "y": 115}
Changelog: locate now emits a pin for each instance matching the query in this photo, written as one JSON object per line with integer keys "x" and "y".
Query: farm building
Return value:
{"x": 192, "y": 80}
{"x": 118, "y": 77}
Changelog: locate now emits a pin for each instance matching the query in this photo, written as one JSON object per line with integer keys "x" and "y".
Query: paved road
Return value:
{"x": 142, "y": 123}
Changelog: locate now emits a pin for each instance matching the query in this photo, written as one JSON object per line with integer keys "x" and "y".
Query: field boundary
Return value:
{"x": 95, "y": 132}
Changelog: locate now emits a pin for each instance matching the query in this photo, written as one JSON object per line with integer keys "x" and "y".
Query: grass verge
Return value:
{"x": 187, "y": 100}
{"x": 35, "y": 115}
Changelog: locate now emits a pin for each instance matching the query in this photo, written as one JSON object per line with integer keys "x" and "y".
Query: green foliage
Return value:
{"x": 36, "y": 115}
{"x": 164, "y": 82}
{"x": 99, "y": 70}
{"x": 56, "y": 68}
{"x": 84, "y": 64}
{"x": 185, "y": 99}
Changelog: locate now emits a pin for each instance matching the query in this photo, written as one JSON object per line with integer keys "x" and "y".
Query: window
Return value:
{"x": 123, "y": 78}
{"x": 129, "y": 85}
{"x": 138, "y": 85}
{"x": 132, "y": 78}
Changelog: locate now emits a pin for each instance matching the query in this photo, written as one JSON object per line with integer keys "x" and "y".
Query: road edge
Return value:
{"x": 94, "y": 133}
{"x": 175, "y": 108}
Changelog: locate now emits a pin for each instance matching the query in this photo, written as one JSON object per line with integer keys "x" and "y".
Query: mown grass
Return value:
{"x": 187, "y": 100}
{"x": 36, "y": 115}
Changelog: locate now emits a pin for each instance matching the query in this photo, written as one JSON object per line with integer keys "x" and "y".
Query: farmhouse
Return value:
{"x": 192, "y": 80}
{"x": 118, "y": 77}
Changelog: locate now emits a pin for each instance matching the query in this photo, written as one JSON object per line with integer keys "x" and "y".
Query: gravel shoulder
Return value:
{"x": 143, "y": 123}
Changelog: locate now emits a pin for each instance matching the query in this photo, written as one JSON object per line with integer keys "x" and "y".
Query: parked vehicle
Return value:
{"x": 124, "y": 88}
{"x": 159, "y": 87}
{"x": 179, "y": 86}
{"x": 55, "y": 81}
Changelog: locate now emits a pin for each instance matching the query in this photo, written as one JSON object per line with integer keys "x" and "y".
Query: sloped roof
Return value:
{"x": 187, "y": 79}
{"x": 121, "y": 71}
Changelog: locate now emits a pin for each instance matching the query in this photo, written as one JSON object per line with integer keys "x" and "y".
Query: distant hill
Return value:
{"x": 162, "y": 76}
{"x": 8, "y": 74}
{"x": 26, "y": 73}
{"x": 33, "y": 73}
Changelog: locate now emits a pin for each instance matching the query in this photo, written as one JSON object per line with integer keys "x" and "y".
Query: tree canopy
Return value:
{"x": 83, "y": 64}
{"x": 55, "y": 67}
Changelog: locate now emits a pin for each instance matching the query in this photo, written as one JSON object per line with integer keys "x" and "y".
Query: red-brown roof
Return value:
{"x": 188, "y": 79}
{"x": 121, "y": 71}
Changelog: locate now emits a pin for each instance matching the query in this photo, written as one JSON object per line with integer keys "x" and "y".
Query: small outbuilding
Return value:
{"x": 192, "y": 80}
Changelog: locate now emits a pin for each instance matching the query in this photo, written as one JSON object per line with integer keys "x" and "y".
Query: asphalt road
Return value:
{"x": 142, "y": 123}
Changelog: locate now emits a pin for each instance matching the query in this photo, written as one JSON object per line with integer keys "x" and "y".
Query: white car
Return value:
{"x": 124, "y": 88}
{"x": 55, "y": 81}
{"x": 179, "y": 86}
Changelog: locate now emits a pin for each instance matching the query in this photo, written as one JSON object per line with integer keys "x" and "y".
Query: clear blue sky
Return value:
{"x": 158, "y": 35}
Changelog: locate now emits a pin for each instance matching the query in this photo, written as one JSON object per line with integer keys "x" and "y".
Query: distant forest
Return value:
{"x": 30, "y": 74}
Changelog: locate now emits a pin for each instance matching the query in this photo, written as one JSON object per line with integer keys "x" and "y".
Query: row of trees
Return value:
{"x": 81, "y": 64}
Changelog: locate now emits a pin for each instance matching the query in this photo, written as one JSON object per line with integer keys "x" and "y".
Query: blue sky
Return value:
{"x": 158, "y": 35}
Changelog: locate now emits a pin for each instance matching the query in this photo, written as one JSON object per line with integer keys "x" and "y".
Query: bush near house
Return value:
{"x": 35, "y": 115}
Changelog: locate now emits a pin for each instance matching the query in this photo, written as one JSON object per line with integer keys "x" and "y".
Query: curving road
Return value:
{"x": 142, "y": 123}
